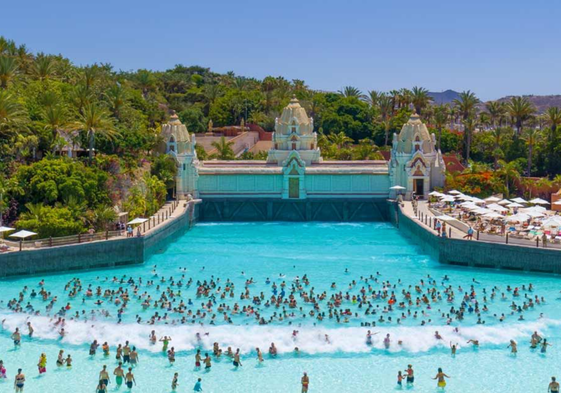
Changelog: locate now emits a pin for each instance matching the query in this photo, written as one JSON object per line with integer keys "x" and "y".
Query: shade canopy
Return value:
{"x": 444, "y": 217}
{"x": 557, "y": 202}
{"x": 518, "y": 217}
{"x": 492, "y": 199}
{"x": 498, "y": 208}
{"x": 515, "y": 204}
{"x": 435, "y": 193}
{"x": 504, "y": 202}
{"x": 23, "y": 234}
{"x": 397, "y": 188}
{"x": 6, "y": 229}
{"x": 554, "y": 221}
{"x": 492, "y": 215}
{"x": 519, "y": 200}
{"x": 454, "y": 192}
{"x": 539, "y": 201}
{"x": 137, "y": 221}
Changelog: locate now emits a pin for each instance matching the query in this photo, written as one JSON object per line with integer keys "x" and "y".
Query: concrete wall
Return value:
{"x": 262, "y": 209}
{"x": 102, "y": 254}
{"x": 475, "y": 253}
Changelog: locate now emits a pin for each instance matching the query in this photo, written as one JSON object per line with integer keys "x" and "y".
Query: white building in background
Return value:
{"x": 415, "y": 162}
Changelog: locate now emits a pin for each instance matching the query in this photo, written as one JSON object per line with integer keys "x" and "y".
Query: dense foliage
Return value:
{"x": 111, "y": 120}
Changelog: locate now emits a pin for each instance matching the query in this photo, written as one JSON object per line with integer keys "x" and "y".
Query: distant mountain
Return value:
{"x": 445, "y": 97}
{"x": 540, "y": 102}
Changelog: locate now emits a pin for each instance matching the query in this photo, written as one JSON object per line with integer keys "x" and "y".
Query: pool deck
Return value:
{"x": 423, "y": 208}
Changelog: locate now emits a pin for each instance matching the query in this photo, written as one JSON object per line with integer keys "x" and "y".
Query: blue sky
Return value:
{"x": 492, "y": 47}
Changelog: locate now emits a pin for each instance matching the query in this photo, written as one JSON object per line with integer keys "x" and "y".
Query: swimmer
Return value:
{"x": 119, "y": 374}
{"x": 129, "y": 378}
{"x": 19, "y": 381}
{"x": 60, "y": 359}
{"x": 198, "y": 387}
{"x": 208, "y": 362}
{"x": 42, "y": 365}
{"x": 474, "y": 342}
{"x": 553, "y": 386}
{"x": 305, "y": 383}
{"x": 259, "y": 355}
{"x": 30, "y": 329}
{"x": 16, "y": 336}
{"x": 104, "y": 376}
{"x": 410, "y": 379}
{"x": 174, "y": 383}
{"x": 453, "y": 348}
{"x": 237, "y": 361}
{"x": 513, "y": 347}
{"x": 198, "y": 358}
{"x": 440, "y": 376}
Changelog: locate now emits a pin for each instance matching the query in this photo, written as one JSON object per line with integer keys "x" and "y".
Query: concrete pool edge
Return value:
{"x": 475, "y": 253}
{"x": 99, "y": 254}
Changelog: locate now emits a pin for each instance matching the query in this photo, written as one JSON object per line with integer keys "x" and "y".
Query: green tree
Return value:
{"x": 8, "y": 68}
{"x": 420, "y": 99}
{"x": 553, "y": 116}
{"x": 466, "y": 106}
{"x": 532, "y": 136}
{"x": 223, "y": 149}
{"x": 520, "y": 110}
{"x": 441, "y": 113}
{"x": 95, "y": 120}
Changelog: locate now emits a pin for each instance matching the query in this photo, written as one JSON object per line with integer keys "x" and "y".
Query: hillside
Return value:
{"x": 540, "y": 102}
{"x": 445, "y": 97}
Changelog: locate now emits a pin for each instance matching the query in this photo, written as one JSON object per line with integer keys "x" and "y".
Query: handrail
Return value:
{"x": 159, "y": 217}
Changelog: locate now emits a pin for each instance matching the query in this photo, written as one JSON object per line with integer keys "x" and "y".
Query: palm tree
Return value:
{"x": 366, "y": 150}
{"x": 466, "y": 106}
{"x": 553, "y": 115}
{"x": 223, "y": 149}
{"x": 520, "y": 110}
{"x": 441, "y": 113}
{"x": 496, "y": 110}
{"x": 8, "y": 68}
{"x": 54, "y": 119}
{"x": 340, "y": 139}
{"x": 95, "y": 120}
{"x": 10, "y": 111}
{"x": 510, "y": 172}
{"x": 533, "y": 135}
{"x": 350, "y": 91}
{"x": 373, "y": 98}
{"x": 43, "y": 67}
{"x": 420, "y": 98}
{"x": 385, "y": 105}
{"x": 116, "y": 97}
{"x": 497, "y": 134}
{"x": 146, "y": 82}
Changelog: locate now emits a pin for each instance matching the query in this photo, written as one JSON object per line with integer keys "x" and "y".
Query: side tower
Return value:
{"x": 180, "y": 145}
{"x": 415, "y": 162}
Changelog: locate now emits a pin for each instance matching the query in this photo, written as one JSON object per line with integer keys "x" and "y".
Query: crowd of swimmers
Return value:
{"x": 370, "y": 301}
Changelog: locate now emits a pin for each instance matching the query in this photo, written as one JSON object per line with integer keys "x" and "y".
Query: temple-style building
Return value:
{"x": 415, "y": 162}
{"x": 295, "y": 183}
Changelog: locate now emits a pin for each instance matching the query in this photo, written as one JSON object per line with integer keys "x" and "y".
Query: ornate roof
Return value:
{"x": 293, "y": 115}
{"x": 176, "y": 132}
{"x": 414, "y": 132}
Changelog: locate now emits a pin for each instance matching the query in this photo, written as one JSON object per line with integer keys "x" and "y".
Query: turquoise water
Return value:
{"x": 272, "y": 254}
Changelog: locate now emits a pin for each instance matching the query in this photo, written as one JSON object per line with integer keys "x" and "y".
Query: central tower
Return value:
{"x": 294, "y": 132}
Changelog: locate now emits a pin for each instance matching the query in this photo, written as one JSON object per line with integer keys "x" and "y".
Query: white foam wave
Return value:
{"x": 310, "y": 339}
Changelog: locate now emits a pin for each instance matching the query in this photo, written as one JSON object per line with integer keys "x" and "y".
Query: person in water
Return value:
{"x": 101, "y": 387}
{"x": 410, "y": 375}
{"x": 129, "y": 378}
{"x": 440, "y": 376}
{"x": 42, "y": 365}
{"x": 174, "y": 383}
{"x": 16, "y": 336}
{"x": 198, "y": 386}
{"x": 553, "y": 386}
{"x": 305, "y": 383}
{"x": 119, "y": 374}
{"x": 104, "y": 376}
{"x": 19, "y": 381}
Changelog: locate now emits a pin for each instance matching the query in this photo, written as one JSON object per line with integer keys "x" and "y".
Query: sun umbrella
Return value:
{"x": 397, "y": 188}
{"x": 517, "y": 217}
{"x": 519, "y": 200}
{"x": 6, "y": 229}
{"x": 492, "y": 199}
{"x": 482, "y": 210}
{"x": 137, "y": 221}
{"x": 436, "y": 193}
{"x": 23, "y": 234}
{"x": 515, "y": 204}
{"x": 504, "y": 202}
{"x": 496, "y": 207}
{"x": 447, "y": 199}
{"x": 554, "y": 221}
{"x": 444, "y": 217}
{"x": 539, "y": 201}
{"x": 454, "y": 192}
{"x": 557, "y": 202}
{"x": 492, "y": 215}
{"x": 535, "y": 214}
